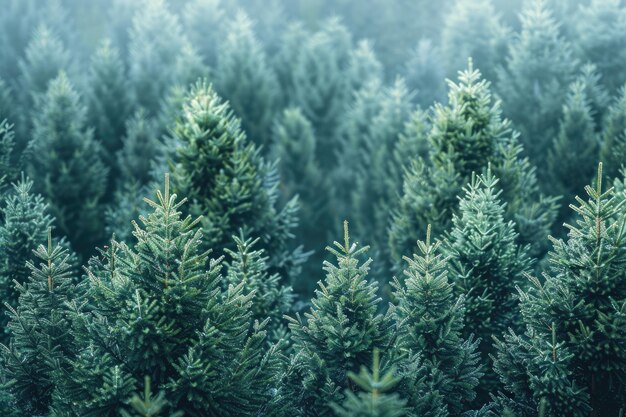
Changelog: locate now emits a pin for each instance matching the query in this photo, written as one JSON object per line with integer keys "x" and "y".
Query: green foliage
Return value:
{"x": 162, "y": 309}
{"x": 40, "y": 344}
{"x": 228, "y": 182}
{"x": 473, "y": 30}
{"x": 363, "y": 66}
{"x": 424, "y": 71}
{"x": 575, "y": 147}
{"x": 429, "y": 323}
{"x": 108, "y": 102}
{"x": 7, "y": 154}
{"x": 66, "y": 161}
{"x": 601, "y": 38}
{"x": 147, "y": 405}
{"x": 337, "y": 335}
{"x": 571, "y": 355}
{"x": 202, "y": 20}
{"x": 533, "y": 83}
{"x": 486, "y": 265}
{"x": 465, "y": 136}
{"x": 25, "y": 225}
{"x": 613, "y": 145}
{"x": 245, "y": 79}
{"x": 374, "y": 400}
{"x": 7, "y": 106}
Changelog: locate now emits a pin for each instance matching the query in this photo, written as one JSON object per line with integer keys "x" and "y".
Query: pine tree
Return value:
{"x": 465, "y": 136}
{"x": 337, "y": 336}
{"x": 363, "y": 66}
{"x": 245, "y": 79}
{"x": 7, "y": 103}
{"x": 228, "y": 182}
{"x": 533, "y": 83}
{"x": 601, "y": 39}
{"x": 571, "y": 356}
{"x": 203, "y": 20}
{"x": 423, "y": 72}
{"x": 17, "y": 21}
{"x": 613, "y": 143}
{"x": 140, "y": 149}
{"x": 25, "y": 224}
{"x": 473, "y": 30}
{"x": 429, "y": 323}
{"x": 374, "y": 400}
{"x": 163, "y": 309}
{"x": 575, "y": 148}
{"x": 148, "y": 405}
{"x": 7, "y": 155}
{"x": 486, "y": 265}
{"x": 158, "y": 61}
{"x": 291, "y": 41}
{"x": 108, "y": 102}
{"x": 66, "y": 161}
{"x": 40, "y": 344}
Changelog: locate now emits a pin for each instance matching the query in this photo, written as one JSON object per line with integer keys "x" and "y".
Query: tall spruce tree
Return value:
{"x": 40, "y": 346}
{"x": 486, "y": 266}
{"x": 245, "y": 79}
{"x": 7, "y": 102}
{"x": 203, "y": 22}
{"x": 108, "y": 102}
{"x": 337, "y": 335}
{"x": 571, "y": 356}
{"x": 24, "y": 226}
{"x": 601, "y": 38}
{"x": 228, "y": 182}
{"x": 465, "y": 136}
{"x": 613, "y": 137}
{"x": 423, "y": 72}
{"x": 473, "y": 29}
{"x": 8, "y": 169}
{"x": 533, "y": 83}
{"x": 575, "y": 149}
{"x": 67, "y": 164}
{"x": 429, "y": 321}
{"x": 162, "y": 309}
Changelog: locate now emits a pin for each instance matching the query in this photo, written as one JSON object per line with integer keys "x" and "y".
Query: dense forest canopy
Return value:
{"x": 313, "y": 208}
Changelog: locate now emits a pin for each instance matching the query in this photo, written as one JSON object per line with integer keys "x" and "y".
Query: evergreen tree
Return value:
{"x": 597, "y": 95}
{"x": 25, "y": 224}
{"x": 374, "y": 400}
{"x": 571, "y": 357}
{"x": 284, "y": 62}
{"x": 466, "y": 136}
{"x": 244, "y": 78}
{"x": 162, "y": 309}
{"x": 40, "y": 344}
{"x": 17, "y": 21}
{"x": 158, "y": 61}
{"x": 228, "y": 182}
{"x": 140, "y": 148}
{"x": 486, "y": 266}
{"x": 363, "y": 66}
{"x": 7, "y": 155}
{"x": 613, "y": 143}
{"x": 203, "y": 20}
{"x": 149, "y": 405}
{"x": 429, "y": 324}
{"x": 473, "y": 30}
{"x": 7, "y": 103}
{"x": 424, "y": 71}
{"x": 66, "y": 161}
{"x": 337, "y": 335}
{"x": 533, "y": 83}
{"x": 575, "y": 147}
{"x": 601, "y": 38}
{"x": 108, "y": 102}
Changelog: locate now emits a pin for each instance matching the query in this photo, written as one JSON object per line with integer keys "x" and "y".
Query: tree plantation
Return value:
{"x": 313, "y": 208}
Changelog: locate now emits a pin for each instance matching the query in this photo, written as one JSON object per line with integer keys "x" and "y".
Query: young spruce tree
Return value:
{"x": 570, "y": 360}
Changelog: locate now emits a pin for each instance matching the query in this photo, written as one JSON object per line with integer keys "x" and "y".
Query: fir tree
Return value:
{"x": 40, "y": 344}
{"x": 486, "y": 265}
{"x": 203, "y": 20}
{"x": 7, "y": 104}
{"x": 429, "y": 324}
{"x": 140, "y": 148}
{"x": 228, "y": 182}
{"x": 423, "y": 72}
{"x": 66, "y": 161}
{"x": 25, "y": 224}
{"x": 571, "y": 355}
{"x": 245, "y": 79}
{"x": 157, "y": 61}
{"x": 17, "y": 21}
{"x": 337, "y": 336}
{"x": 533, "y": 83}
{"x": 108, "y": 102}
{"x": 374, "y": 400}
{"x": 466, "y": 136}
{"x": 613, "y": 144}
{"x": 363, "y": 66}
{"x": 148, "y": 405}
{"x": 7, "y": 155}
{"x": 576, "y": 146}
{"x": 162, "y": 309}
{"x": 601, "y": 39}
{"x": 473, "y": 30}
{"x": 284, "y": 62}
